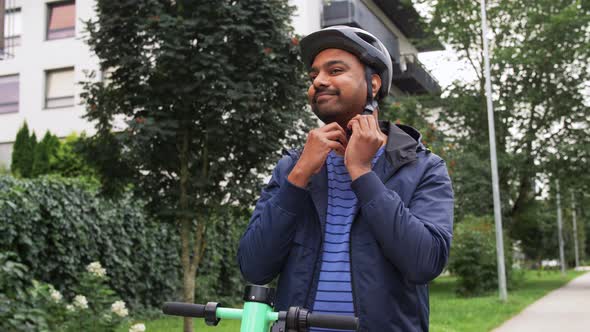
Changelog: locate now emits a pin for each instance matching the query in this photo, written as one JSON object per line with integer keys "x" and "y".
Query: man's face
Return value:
{"x": 338, "y": 91}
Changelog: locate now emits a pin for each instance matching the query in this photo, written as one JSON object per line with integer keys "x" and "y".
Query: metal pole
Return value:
{"x": 495, "y": 186}
{"x": 575, "y": 229}
{"x": 559, "y": 229}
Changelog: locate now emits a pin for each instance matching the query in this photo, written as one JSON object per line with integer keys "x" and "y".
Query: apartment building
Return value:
{"x": 42, "y": 59}
{"x": 43, "y": 56}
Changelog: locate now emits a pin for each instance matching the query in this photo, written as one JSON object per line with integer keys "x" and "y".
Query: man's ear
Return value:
{"x": 376, "y": 84}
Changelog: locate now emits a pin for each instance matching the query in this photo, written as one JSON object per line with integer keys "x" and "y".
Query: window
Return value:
{"x": 62, "y": 20}
{"x": 12, "y": 27}
{"x": 9, "y": 94}
{"x": 59, "y": 88}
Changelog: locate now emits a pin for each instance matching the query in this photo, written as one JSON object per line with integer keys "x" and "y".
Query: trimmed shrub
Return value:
{"x": 23, "y": 152}
{"x": 45, "y": 153}
{"x": 473, "y": 256}
{"x": 49, "y": 156}
{"x": 58, "y": 226}
{"x": 69, "y": 162}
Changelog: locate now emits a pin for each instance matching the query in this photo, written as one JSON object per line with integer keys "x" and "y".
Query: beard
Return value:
{"x": 333, "y": 111}
{"x": 325, "y": 115}
{"x": 338, "y": 108}
{"x": 329, "y": 111}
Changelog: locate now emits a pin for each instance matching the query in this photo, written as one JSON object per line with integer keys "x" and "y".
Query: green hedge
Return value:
{"x": 218, "y": 277}
{"x": 57, "y": 226}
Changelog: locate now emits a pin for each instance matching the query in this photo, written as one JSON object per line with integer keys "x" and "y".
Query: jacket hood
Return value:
{"x": 403, "y": 142}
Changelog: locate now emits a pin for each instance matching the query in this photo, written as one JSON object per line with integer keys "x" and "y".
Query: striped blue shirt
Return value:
{"x": 334, "y": 293}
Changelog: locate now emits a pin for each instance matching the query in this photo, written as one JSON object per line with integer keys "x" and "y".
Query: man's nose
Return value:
{"x": 321, "y": 80}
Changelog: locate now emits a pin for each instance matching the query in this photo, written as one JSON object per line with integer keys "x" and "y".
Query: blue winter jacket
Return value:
{"x": 400, "y": 238}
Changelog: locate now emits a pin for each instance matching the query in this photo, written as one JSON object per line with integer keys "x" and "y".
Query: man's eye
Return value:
{"x": 312, "y": 76}
{"x": 336, "y": 70}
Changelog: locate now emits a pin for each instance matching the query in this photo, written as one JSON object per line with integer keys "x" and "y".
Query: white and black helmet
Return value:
{"x": 359, "y": 42}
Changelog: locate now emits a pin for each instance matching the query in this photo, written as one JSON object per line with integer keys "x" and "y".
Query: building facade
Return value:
{"x": 43, "y": 56}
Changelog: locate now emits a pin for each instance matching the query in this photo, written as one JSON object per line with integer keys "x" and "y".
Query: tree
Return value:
{"x": 211, "y": 91}
{"x": 45, "y": 153}
{"x": 416, "y": 111}
{"x": 537, "y": 230}
{"x": 23, "y": 152}
{"x": 539, "y": 68}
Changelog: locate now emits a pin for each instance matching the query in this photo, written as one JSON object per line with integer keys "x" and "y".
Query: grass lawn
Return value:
{"x": 448, "y": 313}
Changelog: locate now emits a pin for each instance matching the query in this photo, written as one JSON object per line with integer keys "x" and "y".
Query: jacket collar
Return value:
{"x": 402, "y": 144}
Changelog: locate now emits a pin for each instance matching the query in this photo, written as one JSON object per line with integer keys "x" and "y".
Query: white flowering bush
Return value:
{"x": 80, "y": 302}
{"x": 96, "y": 269}
{"x": 118, "y": 308}
{"x": 137, "y": 328}
{"x": 55, "y": 295}
{"x": 94, "y": 307}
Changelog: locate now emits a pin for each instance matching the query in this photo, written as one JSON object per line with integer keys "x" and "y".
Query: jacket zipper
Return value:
{"x": 308, "y": 301}
{"x": 354, "y": 299}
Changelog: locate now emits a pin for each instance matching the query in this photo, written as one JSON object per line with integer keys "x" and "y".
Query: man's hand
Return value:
{"x": 319, "y": 143}
{"x": 366, "y": 139}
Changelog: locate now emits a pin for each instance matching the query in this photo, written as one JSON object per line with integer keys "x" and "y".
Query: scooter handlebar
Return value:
{"x": 332, "y": 321}
{"x": 184, "y": 309}
{"x": 298, "y": 316}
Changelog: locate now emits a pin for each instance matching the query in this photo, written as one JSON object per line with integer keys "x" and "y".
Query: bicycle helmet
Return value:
{"x": 359, "y": 42}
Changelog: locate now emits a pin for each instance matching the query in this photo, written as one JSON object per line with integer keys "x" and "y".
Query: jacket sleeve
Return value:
{"x": 415, "y": 238}
{"x": 266, "y": 242}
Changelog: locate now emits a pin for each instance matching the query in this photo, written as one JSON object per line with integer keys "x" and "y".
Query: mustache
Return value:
{"x": 324, "y": 91}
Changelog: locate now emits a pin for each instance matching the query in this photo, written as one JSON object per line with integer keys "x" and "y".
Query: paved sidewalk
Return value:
{"x": 566, "y": 309}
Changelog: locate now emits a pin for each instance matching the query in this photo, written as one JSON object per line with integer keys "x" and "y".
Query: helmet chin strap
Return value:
{"x": 371, "y": 104}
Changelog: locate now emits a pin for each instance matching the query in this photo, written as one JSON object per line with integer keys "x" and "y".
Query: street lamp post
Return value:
{"x": 560, "y": 228}
{"x": 575, "y": 229}
{"x": 494, "y": 162}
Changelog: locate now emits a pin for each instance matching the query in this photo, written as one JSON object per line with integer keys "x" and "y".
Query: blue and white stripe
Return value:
{"x": 334, "y": 293}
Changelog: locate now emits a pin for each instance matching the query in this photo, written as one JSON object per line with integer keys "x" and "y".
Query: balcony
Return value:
{"x": 412, "y": 77}
{"x": 403, "y": 14}
{"x": 10, "y": 29}
{"x": 355, "y": 13}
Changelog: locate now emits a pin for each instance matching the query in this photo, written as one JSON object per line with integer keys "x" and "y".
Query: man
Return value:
{"x": 353, "y": 225}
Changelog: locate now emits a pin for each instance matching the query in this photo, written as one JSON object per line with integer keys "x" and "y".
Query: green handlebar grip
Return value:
{"x": 229, "y": 313}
